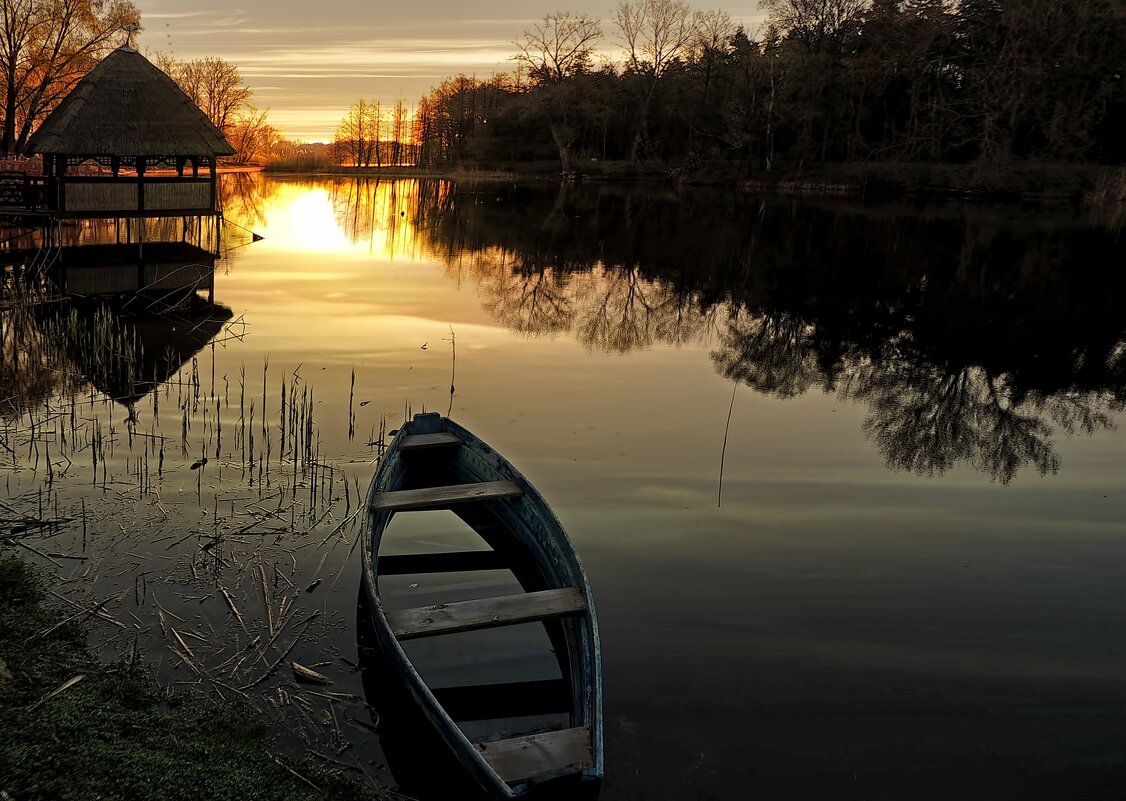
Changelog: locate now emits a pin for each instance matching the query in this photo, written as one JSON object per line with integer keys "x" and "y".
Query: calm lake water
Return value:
{"x": 849, "y": 481}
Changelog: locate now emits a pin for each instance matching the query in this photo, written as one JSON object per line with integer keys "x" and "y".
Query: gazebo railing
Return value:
{"x": 106, "y": 196}
{"x": 130, "y": 194}
{"x": 22, "y": 191}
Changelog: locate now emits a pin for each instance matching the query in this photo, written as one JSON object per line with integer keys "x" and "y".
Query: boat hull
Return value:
{"x": 526, "y": 533}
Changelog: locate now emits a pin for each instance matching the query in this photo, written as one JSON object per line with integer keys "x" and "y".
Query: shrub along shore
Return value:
{"x": 75, "y": 728}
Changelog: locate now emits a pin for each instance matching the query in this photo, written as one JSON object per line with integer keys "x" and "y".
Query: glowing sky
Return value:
{"x": 308, "y": 61}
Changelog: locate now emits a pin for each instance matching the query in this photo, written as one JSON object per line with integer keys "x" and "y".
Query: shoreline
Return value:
{"x": 1091, "y": 183}
{"x": 79, "y": 728}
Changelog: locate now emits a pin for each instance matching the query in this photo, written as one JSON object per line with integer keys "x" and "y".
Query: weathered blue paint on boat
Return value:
{"x": 529, "y": 521}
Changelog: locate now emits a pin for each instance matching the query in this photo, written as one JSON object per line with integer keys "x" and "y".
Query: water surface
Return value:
{"x": 848, "y": 481}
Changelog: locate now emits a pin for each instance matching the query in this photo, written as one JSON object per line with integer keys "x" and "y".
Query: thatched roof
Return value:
{"x": 126, "y": 107}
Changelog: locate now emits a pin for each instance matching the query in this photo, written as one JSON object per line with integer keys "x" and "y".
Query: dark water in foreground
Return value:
{"x": 909, "y": 583}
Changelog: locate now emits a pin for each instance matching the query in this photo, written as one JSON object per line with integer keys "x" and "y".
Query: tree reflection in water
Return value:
{"x": 529, "y": 300}
{"x": 927, "y": 420}
{"x": 972, "y": 334}
{"x": 774, "y": 354}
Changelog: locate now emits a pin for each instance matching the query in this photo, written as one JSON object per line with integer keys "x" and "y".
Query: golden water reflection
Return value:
{"x": 910, "y": 317}
{"x": 359, "y": 215}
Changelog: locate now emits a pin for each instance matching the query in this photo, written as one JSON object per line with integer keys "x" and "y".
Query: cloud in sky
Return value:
{"x": 309, "y": 61}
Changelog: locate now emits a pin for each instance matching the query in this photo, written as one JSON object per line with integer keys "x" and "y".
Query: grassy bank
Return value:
{"x": 77, "y": 729}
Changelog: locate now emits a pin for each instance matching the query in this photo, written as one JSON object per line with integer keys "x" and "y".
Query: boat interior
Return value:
{"x": 481, "y": 616}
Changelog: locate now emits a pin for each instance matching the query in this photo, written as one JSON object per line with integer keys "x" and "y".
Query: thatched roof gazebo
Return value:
{"x": 140, "y": 129}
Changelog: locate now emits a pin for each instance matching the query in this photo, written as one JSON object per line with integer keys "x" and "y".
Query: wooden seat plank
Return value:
{"x": 442, "y": 439}
{"x": 485, "y": 613}
{"x": 442, "y": 562}
{"x": 440, "y": 497}
{"x": 522, "y": 758}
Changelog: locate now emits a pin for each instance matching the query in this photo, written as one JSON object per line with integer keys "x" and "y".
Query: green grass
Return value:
{"x": 116, "y": 734}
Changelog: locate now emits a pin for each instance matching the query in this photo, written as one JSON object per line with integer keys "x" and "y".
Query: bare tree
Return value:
{"x": 377, "y": 132}
{"x": 656, "y": 34}
{"x": 555, "y": 53}
{"x": 447, "y": 118}
{"x": 213, "y": 84}
{"x": 46, "y": 47}
{"x": 559, "y": 47}
{"x": 253, "y": 136}
{"x": 714, "y": 32}
{"x": 821, "y": 25}
{"x": 357, "y": 136}
{"x": 399, "y": 131}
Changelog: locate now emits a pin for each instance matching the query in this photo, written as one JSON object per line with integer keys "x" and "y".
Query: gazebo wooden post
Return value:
{"x": 214, "y": 181}
{"x": 141, "y": 184}
{"x": 60, "y": 180}
{"x": 140, "y": 254}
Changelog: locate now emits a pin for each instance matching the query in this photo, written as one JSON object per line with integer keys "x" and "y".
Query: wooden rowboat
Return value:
{"x": 433, "y": 463}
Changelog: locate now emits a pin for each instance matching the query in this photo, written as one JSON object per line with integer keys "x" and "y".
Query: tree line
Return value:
{"x": 823, "y": 81}
{"x": 958, "y": 81}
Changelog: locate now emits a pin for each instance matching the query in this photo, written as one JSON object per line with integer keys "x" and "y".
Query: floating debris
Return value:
{"x": 308, "y": 675}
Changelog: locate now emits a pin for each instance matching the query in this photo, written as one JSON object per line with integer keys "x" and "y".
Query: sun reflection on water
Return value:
{"x": 358, "y": 216}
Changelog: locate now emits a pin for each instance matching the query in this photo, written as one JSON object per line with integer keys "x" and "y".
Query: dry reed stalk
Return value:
{"x": 279, "y": 575}
{"x": 226, "y": 686}
{"x": 307, "y": 674}
{"x": 266, "y": 599}
{"x": 97, "y": 611}
{"x": 36, "y": 551}
{"x": 183, "y": 644}
{"x": 195, "y": 635}
{"x": 234, "y": 609}
{"x": 190, "y": 662}
{"x": 66, "y": 685}
{"x": 298, "y": 775}
{"x": 340, "y": 527}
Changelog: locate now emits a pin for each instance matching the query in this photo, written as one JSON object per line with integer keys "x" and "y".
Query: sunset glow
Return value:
{"x": 308, "y": 64}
